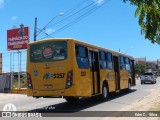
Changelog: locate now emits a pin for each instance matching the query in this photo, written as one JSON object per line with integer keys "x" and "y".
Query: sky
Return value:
{"x": 107, "y": 23}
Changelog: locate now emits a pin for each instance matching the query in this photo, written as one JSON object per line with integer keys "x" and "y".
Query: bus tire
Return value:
{"x": 105, "y": 92}
{"x": 129, "y": 86}
{"x": 71, "y": 99}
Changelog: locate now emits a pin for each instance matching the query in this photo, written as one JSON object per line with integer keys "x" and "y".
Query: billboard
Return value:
{"x": 0, "y": 63}
{"x": 18, "y": 38}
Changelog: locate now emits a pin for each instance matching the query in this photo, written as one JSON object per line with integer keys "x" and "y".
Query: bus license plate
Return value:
{"x": 48, "y": 86}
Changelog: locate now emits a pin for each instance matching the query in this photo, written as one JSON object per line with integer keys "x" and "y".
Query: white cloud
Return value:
{"x": 1, "y": 3}
{"x": 100, "y": 2}
{"x": 14, "y": 17}
{"x": 49, "y": 30}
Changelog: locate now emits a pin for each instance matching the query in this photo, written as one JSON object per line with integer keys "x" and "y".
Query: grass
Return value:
{"x": 23, "y": 83}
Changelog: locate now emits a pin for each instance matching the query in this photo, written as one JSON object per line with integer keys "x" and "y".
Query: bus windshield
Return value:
{"x": 48, "y": 51}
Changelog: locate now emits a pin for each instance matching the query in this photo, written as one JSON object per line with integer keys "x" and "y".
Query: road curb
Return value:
{"x": 18, "y": 91}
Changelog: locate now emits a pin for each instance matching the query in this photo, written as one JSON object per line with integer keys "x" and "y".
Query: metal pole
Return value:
{"x": 11, "y": 73}
{"x": 35, "y": 29}
{"x": 20, "y": 62}
{"x": 18, "y": 69}
{"x": 158, "y": 64}
{"x": 145, "y": 65}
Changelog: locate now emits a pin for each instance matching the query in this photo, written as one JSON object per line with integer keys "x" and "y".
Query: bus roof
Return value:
{"x": 83, "y": 43}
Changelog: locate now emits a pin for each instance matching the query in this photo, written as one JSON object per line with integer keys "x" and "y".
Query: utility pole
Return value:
{"x": 158, "y": 64}
{"x": 19, "y": 69}
{"x": 145, "y": 64}
{"x": 35, "y": 29}
{"x": 11, "y": 71}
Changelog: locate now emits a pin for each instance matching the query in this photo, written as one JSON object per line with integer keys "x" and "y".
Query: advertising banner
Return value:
{"x": 18, "y": 38}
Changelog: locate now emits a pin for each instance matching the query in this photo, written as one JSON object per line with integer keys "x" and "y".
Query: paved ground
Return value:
{"x": 142, "y": 98}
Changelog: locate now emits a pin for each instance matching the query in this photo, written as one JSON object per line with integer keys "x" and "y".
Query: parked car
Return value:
{"x": 148, "y": 77}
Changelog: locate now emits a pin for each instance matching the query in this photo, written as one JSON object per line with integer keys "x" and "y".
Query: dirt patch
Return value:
{"x": 151, "y": 102}
{"x": 146, "y": 103}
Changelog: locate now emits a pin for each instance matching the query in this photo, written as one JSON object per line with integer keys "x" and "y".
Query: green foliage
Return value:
{"x": 142, "y": 69}
{"x": 148, "y": 12}
{"x": 136, "y": 69}
{"x": 22, "y": 81}
{"x": 139, "y": 68}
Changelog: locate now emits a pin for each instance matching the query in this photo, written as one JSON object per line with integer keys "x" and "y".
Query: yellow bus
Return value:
{"x": 68, "y": 68}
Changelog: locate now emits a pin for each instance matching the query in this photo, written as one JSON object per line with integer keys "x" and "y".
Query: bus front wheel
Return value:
{"x": 105, "y": 92}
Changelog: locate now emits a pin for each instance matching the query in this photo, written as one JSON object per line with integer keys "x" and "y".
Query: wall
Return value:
{"x": 5, "y": 83}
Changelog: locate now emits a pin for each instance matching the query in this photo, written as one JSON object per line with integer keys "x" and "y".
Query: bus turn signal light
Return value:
{"x": 69, "y": 79}
{"x": 29, "y": 81}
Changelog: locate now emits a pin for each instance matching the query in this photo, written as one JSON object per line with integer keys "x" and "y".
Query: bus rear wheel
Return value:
{"x": 129, "y": 86}
{"x": 104, "y": 92}
{"x": 71, "y": 99}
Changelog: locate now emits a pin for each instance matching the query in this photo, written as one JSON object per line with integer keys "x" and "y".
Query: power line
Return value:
{"x": 49, "y": 23}
{"x": 69, "y": 11}
{"x": 76, "y": 7}
{"x": 73, "y": 14}
{"x": 94, "y": 8}
{"x": 77, "y": 12}
{"x": 74, "y": 21}
{"x": 43, "y": 32}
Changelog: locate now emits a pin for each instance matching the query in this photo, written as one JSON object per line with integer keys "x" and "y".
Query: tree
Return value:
{"x": 142, "y": 69}
{"x": 148, "y": 12}
{"x": 139, "y": 68}
{"x": 136, "y": 69}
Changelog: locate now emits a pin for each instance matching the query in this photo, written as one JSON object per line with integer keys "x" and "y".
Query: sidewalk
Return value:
{"x": 151, "y": 102}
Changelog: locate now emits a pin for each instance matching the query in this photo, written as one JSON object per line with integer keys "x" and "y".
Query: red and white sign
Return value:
{"x": 47, "y": 53}
{"x": 17, "y": 38}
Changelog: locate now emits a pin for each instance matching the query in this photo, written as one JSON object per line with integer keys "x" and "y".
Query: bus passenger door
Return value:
{"x": 117, "y": 72}
{"x": 133, "y": 72}
{"x": 94, "y": 67}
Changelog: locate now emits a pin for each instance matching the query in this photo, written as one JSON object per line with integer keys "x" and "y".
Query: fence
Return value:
{"x": 14, "y": 61}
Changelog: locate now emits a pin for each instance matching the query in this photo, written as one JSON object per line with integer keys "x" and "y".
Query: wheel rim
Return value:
{"x": 129, "y": 86}
{"x": 105, "y": 92}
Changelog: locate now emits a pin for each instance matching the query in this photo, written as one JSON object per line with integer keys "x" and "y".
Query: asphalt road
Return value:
{"x": 115, "y": 103}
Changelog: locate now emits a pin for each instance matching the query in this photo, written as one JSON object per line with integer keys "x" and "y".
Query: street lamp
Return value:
{"x": 128, "y": 49}
{"x": 61, "y": 14}
{"x": 35, "y": 27}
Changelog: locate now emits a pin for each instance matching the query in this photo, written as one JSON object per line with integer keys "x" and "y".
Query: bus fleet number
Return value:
{"x": 83, "y": 73}
{"x": 55, "y": 75}
{"x": 59, "y": 75}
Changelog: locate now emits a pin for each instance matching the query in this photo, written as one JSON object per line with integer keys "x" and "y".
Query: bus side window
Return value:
{"x": 122, "y": 63}
{"x": 102, "y": 60}
{"x": 109, "y": 61}
{"x": 82, "y": 57}
{"x": 128, "y": 66}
